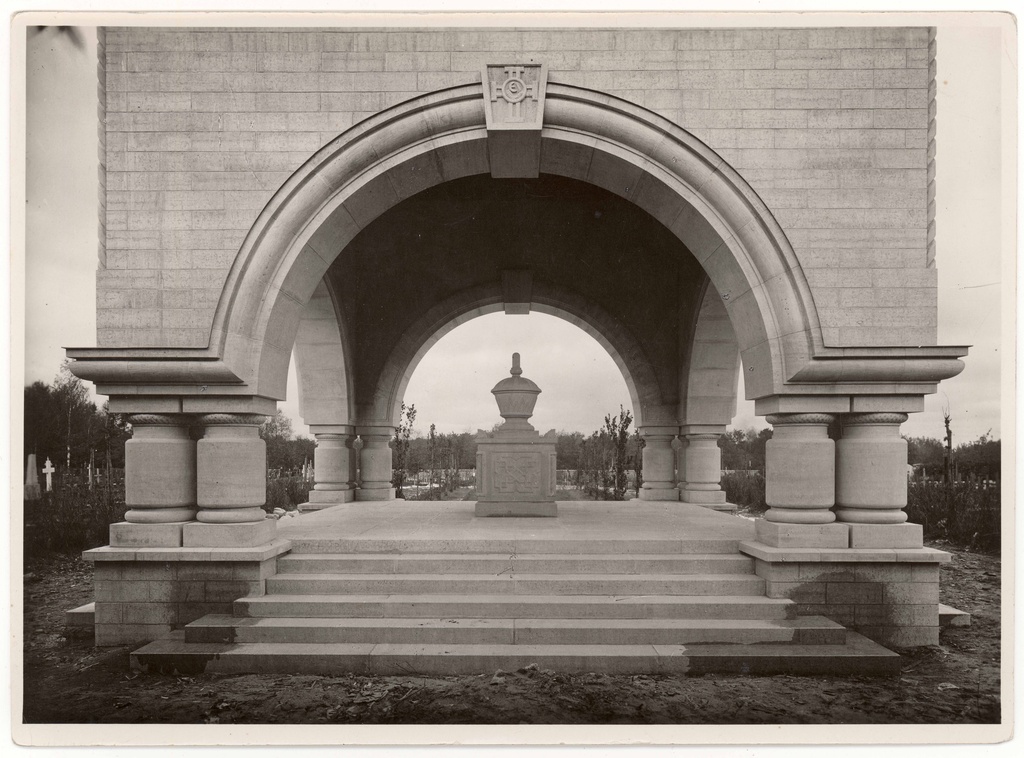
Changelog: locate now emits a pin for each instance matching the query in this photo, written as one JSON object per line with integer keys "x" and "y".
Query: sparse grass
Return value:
{"x": 287, "y": 492}
{"x": 745, "y": 489}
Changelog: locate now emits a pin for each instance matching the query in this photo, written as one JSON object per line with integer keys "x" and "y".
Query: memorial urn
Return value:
{"x": 516, "y": 396}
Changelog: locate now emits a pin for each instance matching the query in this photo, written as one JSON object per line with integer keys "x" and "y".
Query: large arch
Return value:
{"x": 587, "y": 136}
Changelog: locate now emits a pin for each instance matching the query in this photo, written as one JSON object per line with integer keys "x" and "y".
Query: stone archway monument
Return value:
{"x": 516, "y": 465}
{"x": 789, "y": 246}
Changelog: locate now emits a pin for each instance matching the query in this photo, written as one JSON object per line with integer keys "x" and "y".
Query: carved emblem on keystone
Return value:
{"x": 514, "y": 95}
{"x": 514, "y": 111}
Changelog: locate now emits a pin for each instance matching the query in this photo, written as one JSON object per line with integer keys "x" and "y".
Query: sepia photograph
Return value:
{"x": 512, "y": 378}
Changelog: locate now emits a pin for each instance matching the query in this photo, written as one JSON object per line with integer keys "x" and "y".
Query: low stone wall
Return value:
{"x": 142, "y": 594}
{"x": 890, "y": 596}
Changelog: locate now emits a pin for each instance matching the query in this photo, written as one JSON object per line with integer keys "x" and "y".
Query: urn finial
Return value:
{"x": 516, "y": 396}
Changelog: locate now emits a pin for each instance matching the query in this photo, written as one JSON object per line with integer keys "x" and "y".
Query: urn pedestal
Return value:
{"x": 515, "y": 464}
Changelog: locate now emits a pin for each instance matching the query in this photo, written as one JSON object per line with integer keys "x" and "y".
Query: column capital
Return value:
{"x": 850, "y": 419}
{"x": 231, "y": 419}
{"x": 784, "y": 419}
{"x": 161, "y": 419}
{"x": 702, "y": 437}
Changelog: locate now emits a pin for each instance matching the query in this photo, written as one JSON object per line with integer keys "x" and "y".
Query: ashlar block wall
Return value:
{"x": 833, "y": 127}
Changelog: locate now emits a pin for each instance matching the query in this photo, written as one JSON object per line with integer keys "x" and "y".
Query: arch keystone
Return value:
{"x": 514, "y": 113}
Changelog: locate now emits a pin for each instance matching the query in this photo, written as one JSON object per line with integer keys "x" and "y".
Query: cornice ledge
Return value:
{"x": 160, "y": 366}
{"x": 925, "y": 364}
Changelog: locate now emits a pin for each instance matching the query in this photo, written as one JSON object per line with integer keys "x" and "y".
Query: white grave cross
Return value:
{"x": 48, "y": 469}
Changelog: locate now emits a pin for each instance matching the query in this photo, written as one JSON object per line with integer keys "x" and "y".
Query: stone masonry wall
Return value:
{"x": 138, "y": 601}
{"x": 831, "y": 126}
{"x": 894, "y": 604}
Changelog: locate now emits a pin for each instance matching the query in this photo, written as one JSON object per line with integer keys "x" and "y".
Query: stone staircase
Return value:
{"x": 475, "y": 606}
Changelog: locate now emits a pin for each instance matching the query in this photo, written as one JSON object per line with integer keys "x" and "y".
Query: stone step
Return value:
{"x": 531, "y": 584}
{"x": 950, "y": 616}
{"x": 500, "y": 564}
{"x": 813, "y": 630}
{"x": 519, "y": 546}
{"x": 859, "y": 657}
{"x": 515, "y": 606}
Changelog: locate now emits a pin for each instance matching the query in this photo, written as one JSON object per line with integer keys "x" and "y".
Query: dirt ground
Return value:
{"x": 67, "y": 680}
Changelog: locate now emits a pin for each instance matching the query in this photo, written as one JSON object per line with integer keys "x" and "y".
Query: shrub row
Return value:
{"x": 71, "y": 519}
{"x": 963, "y": 513}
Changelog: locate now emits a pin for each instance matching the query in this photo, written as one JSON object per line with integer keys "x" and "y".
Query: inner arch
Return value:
{"x": 579, "y": 381}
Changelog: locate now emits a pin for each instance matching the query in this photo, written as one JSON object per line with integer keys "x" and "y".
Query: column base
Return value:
{"x": 542, "y": 510}
{"x": 776, "y": 534}
{"x": 126, "y": 534}
{"x": 886, "y": 535}
{"x": 363, "y": 495}
{"x": 702, "y": 497}
{"x": 324, "y": 498}
{"x": 660, "y": 493}
{"x": 229, "y": 535}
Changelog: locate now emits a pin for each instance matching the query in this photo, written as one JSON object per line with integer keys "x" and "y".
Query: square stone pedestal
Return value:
{"x": 197, "y": 534}
{"x": 802, "y": 535}
{"x": 125, "y": 534}
{"x": 516, "y": 473}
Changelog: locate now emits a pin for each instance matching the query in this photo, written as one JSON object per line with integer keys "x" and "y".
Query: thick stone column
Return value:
{"x": 659, "y": 463}
{"x": 800, "y": 483}
{"x": 701, "y": 474}
{"x": 871, "y": 481}
{"x": 334, "y": 465}
{"x": 231, "y": 471}
{"x": 159, "y": 482}
{"x": 375, "y": 463}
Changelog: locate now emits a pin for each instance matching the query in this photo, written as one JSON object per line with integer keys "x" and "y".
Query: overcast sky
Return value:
{"x": 580, "y": 383}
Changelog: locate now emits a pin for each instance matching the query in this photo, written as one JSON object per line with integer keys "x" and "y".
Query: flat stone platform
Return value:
{"x": 444, "y": 522}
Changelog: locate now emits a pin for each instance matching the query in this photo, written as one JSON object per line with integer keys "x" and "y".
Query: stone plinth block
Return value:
{"x": 549, "y": 509}
{"x": 331, "y": 497}
{"x": 802, "y": 535}
{"x": 699, "y": 497}
{"x": 229, "y": 535}
{"x": 886, "y": 535}
{"x": 370, "y": 495}
{"x": 658, "y": 493}
{"x": 125, "y": 534}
